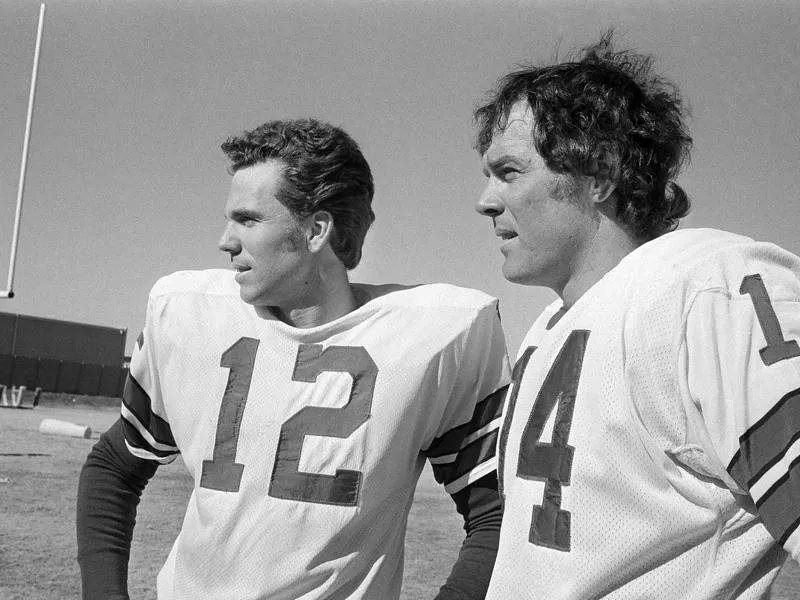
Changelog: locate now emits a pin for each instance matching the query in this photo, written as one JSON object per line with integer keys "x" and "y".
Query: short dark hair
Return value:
{"x": 324, "y": 170}
{"x": 609, "y": 106}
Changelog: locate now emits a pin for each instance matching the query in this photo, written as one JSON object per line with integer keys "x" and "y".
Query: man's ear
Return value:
{"x": 320, "y": 230}
{"x": 603, "y": 181}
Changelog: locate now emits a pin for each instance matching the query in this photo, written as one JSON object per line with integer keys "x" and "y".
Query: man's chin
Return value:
{"x": 247, "y": 296}
{"x": 263, "y": 306}
{"x": 514, "y": 274}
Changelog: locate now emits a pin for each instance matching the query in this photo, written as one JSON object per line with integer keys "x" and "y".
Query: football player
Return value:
{"x": 303, "y": 405}
{"x": 652, "y": 432}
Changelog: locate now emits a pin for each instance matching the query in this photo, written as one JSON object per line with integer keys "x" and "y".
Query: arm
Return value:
{"x": 463, "y": 456}
{"x": 111, "y": 483}
{"x": 743, "y": 365}
{"x": 479, "y": 504}
{"x": 457, "y": 457}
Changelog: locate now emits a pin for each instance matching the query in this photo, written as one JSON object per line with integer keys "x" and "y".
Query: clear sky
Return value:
{"x": 126, "y": 181}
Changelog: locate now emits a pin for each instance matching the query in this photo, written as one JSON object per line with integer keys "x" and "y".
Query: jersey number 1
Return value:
{"x": 778, "y": 348}
{"x": 224, "y": 473}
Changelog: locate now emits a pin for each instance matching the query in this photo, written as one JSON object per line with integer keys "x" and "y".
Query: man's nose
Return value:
{"x": 228, "y": 242}
{"x": 489, "y": 205}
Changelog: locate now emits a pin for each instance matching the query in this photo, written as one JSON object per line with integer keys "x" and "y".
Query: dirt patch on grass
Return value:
{"x": 59, "y": 400}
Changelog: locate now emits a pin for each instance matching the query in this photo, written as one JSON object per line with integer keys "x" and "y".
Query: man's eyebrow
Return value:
{"x": 497, "y": 160}
{"x": 238, "y": 214}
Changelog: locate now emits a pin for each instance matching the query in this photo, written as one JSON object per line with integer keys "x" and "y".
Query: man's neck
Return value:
{"x": 330, "y": 299}
{"x": 604, "y": 252}
{"x": 319, "y": 314}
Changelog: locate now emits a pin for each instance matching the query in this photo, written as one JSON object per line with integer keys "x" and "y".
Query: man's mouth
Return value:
{"x": 505, "y": 234}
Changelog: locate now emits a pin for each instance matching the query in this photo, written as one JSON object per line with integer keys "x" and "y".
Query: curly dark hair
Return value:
{"x": 604, "y": 106}
{"x": 324, "y": 170}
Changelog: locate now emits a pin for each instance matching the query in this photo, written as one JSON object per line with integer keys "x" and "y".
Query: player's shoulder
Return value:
{"x": 209, "y": 282}
{"x": 683, "y": 249}
{"x": 433, "y": 296}
{"x": 715, "y": 259}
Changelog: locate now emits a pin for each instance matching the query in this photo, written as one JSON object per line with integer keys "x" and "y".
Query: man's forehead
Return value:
{"x": 519, "y": 120}
{"x": 514, "y": 128}
{"x": 260, "y": 174}
{"x": 254, "y": 188}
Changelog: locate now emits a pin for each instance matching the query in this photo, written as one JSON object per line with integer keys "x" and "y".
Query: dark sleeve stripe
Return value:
{"x": 140, "y": 340}
{"x": 486, "y": 411}
{"x": 135, "y": 439}
{"x": 137, "y": 401}
{"x": 474, "y": 454}
{"x": 763, "y": 445}
{"x": 779, "y": 506}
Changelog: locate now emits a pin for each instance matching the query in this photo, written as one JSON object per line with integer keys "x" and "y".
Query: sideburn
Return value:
{"x": 295, "y": 239}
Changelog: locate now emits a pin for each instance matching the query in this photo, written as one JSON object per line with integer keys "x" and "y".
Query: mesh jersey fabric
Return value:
{"x": 652, "y": 432}
{"x": 305, "y": 445}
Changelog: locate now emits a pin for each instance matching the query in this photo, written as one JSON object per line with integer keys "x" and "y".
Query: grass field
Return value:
{"x": 38, "y": 484}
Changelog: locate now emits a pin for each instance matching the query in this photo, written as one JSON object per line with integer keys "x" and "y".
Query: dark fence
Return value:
{"x": 23, "y": 335}
{"x": 69, "y": 377}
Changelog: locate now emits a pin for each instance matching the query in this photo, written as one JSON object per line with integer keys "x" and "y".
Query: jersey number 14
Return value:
{"x": 550, "y": 462}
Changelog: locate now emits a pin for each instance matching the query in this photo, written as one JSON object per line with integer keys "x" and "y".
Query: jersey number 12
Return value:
{"x": 224, "y": 473}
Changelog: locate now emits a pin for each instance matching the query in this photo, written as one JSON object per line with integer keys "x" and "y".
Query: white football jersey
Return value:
{"x": 652, "y": 433}
{"x": 306, "y": 444}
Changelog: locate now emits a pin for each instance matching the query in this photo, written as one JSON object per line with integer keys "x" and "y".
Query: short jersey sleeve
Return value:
{"x": 147, "y": 432}
{"x": 742, "y": 365}
{"x": 464, "y": 446}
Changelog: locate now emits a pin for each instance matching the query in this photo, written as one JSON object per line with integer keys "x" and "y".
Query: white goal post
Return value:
{"x": 9, "y": 291}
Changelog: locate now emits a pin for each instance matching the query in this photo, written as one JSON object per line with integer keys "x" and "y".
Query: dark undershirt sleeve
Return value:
{"x": 479, "y": 504}
{"x": 111, "y": 483}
